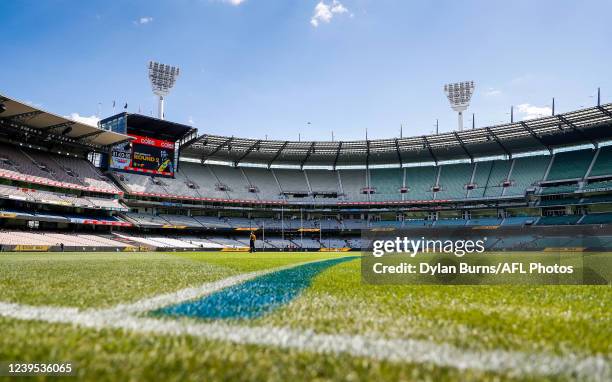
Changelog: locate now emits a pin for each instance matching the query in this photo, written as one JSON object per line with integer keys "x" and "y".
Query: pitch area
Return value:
{"x": 105, "y": 312}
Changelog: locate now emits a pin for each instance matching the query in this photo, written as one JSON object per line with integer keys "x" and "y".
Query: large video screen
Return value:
{"x": 144, "y": 155}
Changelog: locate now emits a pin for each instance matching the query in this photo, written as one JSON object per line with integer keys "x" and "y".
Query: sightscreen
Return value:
{"x": 144, "y": 155}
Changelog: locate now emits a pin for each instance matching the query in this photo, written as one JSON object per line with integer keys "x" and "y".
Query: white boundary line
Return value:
{"x": 512, "y": 363}
{"x": 125, "y": 317}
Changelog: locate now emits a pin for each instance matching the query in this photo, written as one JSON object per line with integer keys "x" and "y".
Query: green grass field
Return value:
{"x": 558, "y": 321}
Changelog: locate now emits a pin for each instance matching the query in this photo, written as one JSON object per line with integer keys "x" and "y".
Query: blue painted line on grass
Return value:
{"x": 256, "y": 297}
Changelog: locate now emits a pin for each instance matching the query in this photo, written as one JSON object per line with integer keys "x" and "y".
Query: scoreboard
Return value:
{"x": 153, "y": 147}
{"x": 144, "y": 155}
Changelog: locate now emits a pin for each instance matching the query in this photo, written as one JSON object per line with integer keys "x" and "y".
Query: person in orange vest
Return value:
{"x": 252, "y": 240}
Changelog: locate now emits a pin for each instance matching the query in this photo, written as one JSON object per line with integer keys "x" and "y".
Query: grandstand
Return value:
{"x": 570, "y": 165}
{"x": 296, "y": 195}
{"x": 602, "y": 165}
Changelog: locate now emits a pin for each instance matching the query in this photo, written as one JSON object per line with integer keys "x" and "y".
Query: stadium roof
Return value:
{"x": 585, "y": 126}
{"x": 23, "y": 115}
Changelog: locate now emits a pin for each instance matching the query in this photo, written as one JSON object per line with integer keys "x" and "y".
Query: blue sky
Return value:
{"x": 261, "y": 68}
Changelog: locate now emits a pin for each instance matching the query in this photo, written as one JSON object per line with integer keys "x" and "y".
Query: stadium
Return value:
{"x": 300, "y": 196}
{"x": 156, "y": 232}
{"x": 173, "y": 206}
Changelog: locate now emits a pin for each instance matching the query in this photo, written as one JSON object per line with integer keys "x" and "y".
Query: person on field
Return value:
{"x": 252, "y": 240}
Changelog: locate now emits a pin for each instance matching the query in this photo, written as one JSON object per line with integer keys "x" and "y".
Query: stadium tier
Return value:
{"x": 462, "y": 181}
{"x": 295, "y": 195}
{"x": 603, "y": 163}
{"x": 570, "y": 165}
{"x": 46, "y": 168}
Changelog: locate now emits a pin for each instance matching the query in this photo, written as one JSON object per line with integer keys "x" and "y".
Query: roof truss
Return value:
{"x": 337, "y": 154}
{"x": 499, "y": 142}
{"x": 606, "y": 112}
{"x": 24, "y": 116}
{"x": 463, "y": 146}
{"x": 278, "y": 153}
{"x": 88, "y": 135}
{"x": 577, "y": 130}
{"x": 311, "y": 150}
{"x": 535, "y": 136}
{"x": 217, "y": 149}
{"x": 426, "y": 141}
{"x": 247, "y": 152}
{"x": 397, "y": 150}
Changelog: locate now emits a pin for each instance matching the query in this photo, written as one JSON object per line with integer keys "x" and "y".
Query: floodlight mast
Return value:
{"x": 162, "y": 79}
{"x": 459, "y": 95}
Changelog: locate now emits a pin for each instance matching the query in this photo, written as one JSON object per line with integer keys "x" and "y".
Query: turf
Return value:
{"x": 104, "y": 279}
{"x": 118, "y": 356}
{"x": 556, "y": 319}
{"x": 542, "y": 318}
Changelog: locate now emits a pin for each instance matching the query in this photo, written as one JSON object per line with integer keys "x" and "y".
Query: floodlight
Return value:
{"x": 162, "y": 79}
{"x": 459, "y": 94}
{"x": 2, "y": 108}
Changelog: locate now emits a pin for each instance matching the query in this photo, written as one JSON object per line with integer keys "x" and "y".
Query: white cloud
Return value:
{"x": 493, "y": 92}
{"x": 144, "y": 20}
{"x": 191, "y": 121}
{"x": 230, "y": 2}
{"x": 92, "y": 121}
{"x": 34, "y": 104}
{"x": 325, "y": 12}
{"x": 531, "y": 111}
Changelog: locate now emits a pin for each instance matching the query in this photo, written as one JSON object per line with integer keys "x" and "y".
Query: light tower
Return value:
{"x": 459, "y": 95}
{"x": 162, "y": 79}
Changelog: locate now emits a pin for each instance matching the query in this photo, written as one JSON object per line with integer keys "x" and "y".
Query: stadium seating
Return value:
{"x": 560, "y": 189}
{"x": 139, "y": 183}
{"x": 44, "y": 160}
{"x": 264, "y": 182}
{"x": 498, "y": 178}
{"x": 453, "y": 180}
{"x": 234, "y": 180}
{"x": 47, "y": 197}
{"x": 559, "y": 220}
{"x": 526, "y": 173}
{"x": 449, "y": 222}
{"x": 518, "y": 220}
{"x": 55, "y": 239}
{"x": 205, "y": 180}
{"x": 484, "y": 222}
{"x": 570, "y": 165}
{"x": 180, "y": 185}
{"x": 598, "y": 218}
{"x": 146, "y": 220}
{"x": 291, "y": 180}
{"x": 353, "y": 224}
{"x": 420, "y": 181}
{"x": 387, "y": 183}
{"x": 500, "y": 170}
{"x": 353, "y": 182}
{"x": 603, "y": 164}
{"x": 47, "y": 168}
{"x": 181, "y": 220}
{"x": 323, "y": 181}
{"x": 213, "y": 222}
{"x": 85, "y": 171}
{"x": 482, "y": 173}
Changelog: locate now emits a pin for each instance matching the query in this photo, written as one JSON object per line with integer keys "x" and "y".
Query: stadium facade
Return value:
{"x": 143, "y": 183}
